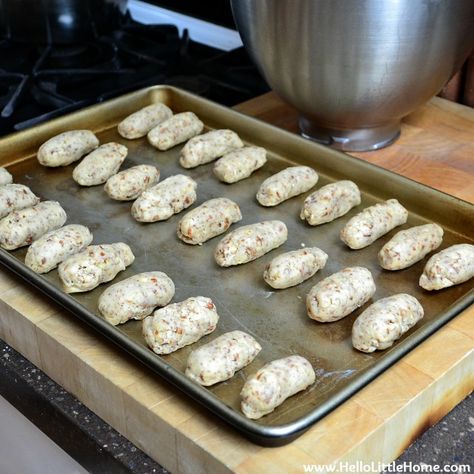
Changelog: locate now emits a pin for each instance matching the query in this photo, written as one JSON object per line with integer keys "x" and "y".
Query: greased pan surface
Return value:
{"x": 276, "y": 318}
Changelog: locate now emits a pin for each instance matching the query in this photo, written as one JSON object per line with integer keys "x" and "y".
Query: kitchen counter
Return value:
{"x": 101, "y": 449}
{"x": 436, "y": 148}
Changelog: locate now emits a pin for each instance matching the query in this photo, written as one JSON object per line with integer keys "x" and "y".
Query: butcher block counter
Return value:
{"x": 436, "y": 148}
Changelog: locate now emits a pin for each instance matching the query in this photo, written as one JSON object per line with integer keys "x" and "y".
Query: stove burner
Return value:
{"x": 93, "y": 55}
{"x": 11, "y": 88}
{"x": 38, "y": 83}
{"x": 17, "y": 58}
{"x": 154, "y": 43}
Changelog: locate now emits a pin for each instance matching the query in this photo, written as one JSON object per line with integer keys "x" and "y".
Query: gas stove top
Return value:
{"x": 38, "y": 83}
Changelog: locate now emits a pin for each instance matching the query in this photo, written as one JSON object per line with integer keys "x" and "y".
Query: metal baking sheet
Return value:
{"x": 276, "y": 318}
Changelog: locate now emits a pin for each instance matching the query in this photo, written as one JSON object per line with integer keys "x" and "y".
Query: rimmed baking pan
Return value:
{"x": 276, "y": 318}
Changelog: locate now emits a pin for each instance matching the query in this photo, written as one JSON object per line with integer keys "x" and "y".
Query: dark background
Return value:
{"x": 215, "y": 11}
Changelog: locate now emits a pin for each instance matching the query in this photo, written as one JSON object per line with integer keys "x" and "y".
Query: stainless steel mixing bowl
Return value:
{"x": 354, "y": 68}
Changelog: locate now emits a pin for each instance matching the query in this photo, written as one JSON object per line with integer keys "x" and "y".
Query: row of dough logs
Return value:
{"x": 328, "y": 203}
{"x": 179, "y": 192}
{"x": 176, "y": 193}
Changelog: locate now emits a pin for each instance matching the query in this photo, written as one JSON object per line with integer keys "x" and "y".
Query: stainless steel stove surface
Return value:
{"x": 40, "y": 82}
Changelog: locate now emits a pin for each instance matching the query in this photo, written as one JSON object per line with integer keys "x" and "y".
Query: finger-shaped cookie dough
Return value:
{"x": 409, "y": 246}
{"x": 5, "y": 177}
{"x": 127, "y": 185}
{"x": 274, "y": 383}
{"x": 14, "y": 197}
{"x": 221, "y": 358}
{"x": 373, "y": 222}
{"x": 56, "y": 246}
{"x": 20, "y": 228}
{"x": 175, "y": 130}
{"x": 330, "y": 202}
{"x": 180, "y": 324}
{"x": 139, "y": 123}
{"x": 240, "y": 164}
{"x": 292, "y": 268}
{"x": 97, "y": 167}
{"x": 385, "y": 321}
{"x": 208, "y": 220}
{"x": 286, "y": 184}
{"x": 164, "y": 199}
{"x": 96, "y": 264}
{"x": 449, "y": 267}
{"x": 67, "y": 147}
{"x": 250, "y": 242}
{"x": 135, "y": 297}
{"x": 339, "y": 294}
{"x": 209, "y": 146}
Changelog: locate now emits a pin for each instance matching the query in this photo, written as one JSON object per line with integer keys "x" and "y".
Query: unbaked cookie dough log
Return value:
{"x": 127, "y": 185}
{"x": 292, "y": 268}
{"x": 385, "y": 321}
{"x": 339, "y": 294}
{"x": 67, "y": 147}
{"x": 96, "y": 264}
{"x": 135, "y": 297}
{"x": 208, "y": 220}
{"x": 139, "y": 123}
{"x": 5, "y": 177}
{"x": 409, "y": 246}
{"x": 286, "y": 184}
{"x": 180, "y": 324}
{"x": 177, "y": 129}
{"x": 221, "y": 358}
{"x": 240, "y": 164}
{"x": 20, "y": 228}
{"x": 56, "y": 246}
{"x": 209, "y": 146}
{"x": 164, "y": 199}
{"x": 330, "y": 202}
{"x": 250, "y": 242}
{"x": 14, "y": 197}
{"x": 373, "y": 222}
{"x": 451, "y": 266}
{"x": 97, "y": 167}
{"x": 274, "y": 383}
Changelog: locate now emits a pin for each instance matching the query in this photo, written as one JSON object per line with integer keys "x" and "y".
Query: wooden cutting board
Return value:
{"x": 437, "y": 148}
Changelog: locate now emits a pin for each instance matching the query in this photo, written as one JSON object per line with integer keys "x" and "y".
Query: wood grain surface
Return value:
{"x": 437, "y": 148}
{"x": 436, "y": 145}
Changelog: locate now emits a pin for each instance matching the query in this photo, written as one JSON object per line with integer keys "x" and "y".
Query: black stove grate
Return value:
{"x": 38, "y": 83}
